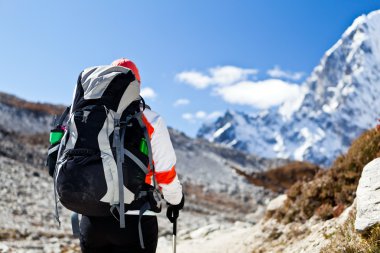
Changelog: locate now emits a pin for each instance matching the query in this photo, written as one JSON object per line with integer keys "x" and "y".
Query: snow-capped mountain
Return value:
{"x": 339, "y": 101}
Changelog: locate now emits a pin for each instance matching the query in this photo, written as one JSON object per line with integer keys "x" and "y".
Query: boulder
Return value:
{"x": 204, "y": 231}
{"x": 277, "y": 202}
{"x": 368, "y": 197}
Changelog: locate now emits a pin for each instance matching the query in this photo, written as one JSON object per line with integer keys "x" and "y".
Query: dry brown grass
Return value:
{"x": 332, "y": 189}
{"x": 345, "y": 239}
{"x": 282, "y": 178}
{"x": 36, "y": 107}
{"x": 40, "y": 139}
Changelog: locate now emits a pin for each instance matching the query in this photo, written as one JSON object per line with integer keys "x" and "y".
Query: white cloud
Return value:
{"x": 219, "y": 76}
{"x": 195, "y": 79}
{"x": 148, "y": 93}
{"x": 214, "y": 115}
{"x": 236, "y": 86}
{"x": 277, "y": 72}
{"x": 181, "y": 101}
{"x": 260, "y": 94}
{"x": 201, "y": 116}
{"x": 227, "y": 75}
{"x": 188, "y": 116}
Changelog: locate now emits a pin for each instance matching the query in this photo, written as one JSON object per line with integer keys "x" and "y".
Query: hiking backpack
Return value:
{"x": 104, "y": 155}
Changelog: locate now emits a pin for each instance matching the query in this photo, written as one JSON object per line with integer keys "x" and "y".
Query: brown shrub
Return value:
{"x": 34, "y": 139}
{"x": 36, "y": 107}
{"x": 333, "y": 187}
{"x": 282, "y": 178}
{"x": 338, "y": 210}
{"x": 325, "y": 211}
{"x": 295, "y": 190}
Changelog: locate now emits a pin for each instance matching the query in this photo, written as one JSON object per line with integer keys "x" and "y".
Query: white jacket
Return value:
{"x": 164, "y": 158}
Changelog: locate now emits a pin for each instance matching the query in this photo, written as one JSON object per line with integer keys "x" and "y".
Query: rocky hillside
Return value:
{"x": 333, "y": 190}
{"x": 317, "y": 216}
{"x": 27, "y": 223}
{"x": 339, "y": 102}
{"x": 212, "y": 168}
{"x": 204, "y": 166}
{"x": 223, "y": 201}
{"x": 216, "y": 194}
{"x": 26, "y": 117}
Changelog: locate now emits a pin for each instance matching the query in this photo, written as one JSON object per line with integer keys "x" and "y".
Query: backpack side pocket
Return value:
{"x": 51, "y": 160}
{"x": 81, "y": 183}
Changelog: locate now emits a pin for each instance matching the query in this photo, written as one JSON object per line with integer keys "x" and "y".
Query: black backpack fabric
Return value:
{"x": 101, "y": 168}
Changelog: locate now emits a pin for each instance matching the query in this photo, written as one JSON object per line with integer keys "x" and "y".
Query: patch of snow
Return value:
{"x": 220, "y": 131}
{"x": 290, "y": 107}
{"x": 279, "y": 147}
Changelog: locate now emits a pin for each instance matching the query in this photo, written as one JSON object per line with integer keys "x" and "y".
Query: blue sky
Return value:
{"x": 202, "y": 52}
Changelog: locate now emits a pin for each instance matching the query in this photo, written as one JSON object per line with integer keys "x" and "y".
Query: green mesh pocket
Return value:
{"x": 143, "y": 147}
{"x": 55, "y": 136}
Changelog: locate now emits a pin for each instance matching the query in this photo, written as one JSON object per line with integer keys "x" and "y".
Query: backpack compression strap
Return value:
{"x": 119, "y": 136}
{"x": 63, "y": 116}
{"x": 119, "y": 145}
{"x": 156, "y": 192}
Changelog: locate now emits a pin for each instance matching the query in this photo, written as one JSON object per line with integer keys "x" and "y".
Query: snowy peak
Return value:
{"x": 358, "y": 48}
{"x": 333, "y": 80}
{"x": 364, "y": 28}
{"x": 226, "y": 129}
{"x": 339, "y": 101}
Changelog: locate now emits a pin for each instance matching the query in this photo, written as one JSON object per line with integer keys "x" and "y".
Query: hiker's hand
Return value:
{"x": 173, "y": 210}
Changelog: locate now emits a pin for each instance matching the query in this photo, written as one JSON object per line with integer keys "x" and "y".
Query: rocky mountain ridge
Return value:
{"x": 19, "y": 115}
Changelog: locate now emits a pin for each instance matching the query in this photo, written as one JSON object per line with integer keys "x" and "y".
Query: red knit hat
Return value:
{"x": 126, "y": 63}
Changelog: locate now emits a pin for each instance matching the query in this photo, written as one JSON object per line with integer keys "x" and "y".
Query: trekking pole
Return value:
{"x": 175, "y": 236}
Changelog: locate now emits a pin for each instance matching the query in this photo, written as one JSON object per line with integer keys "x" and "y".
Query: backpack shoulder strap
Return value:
{"x": 139, "y": 118}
